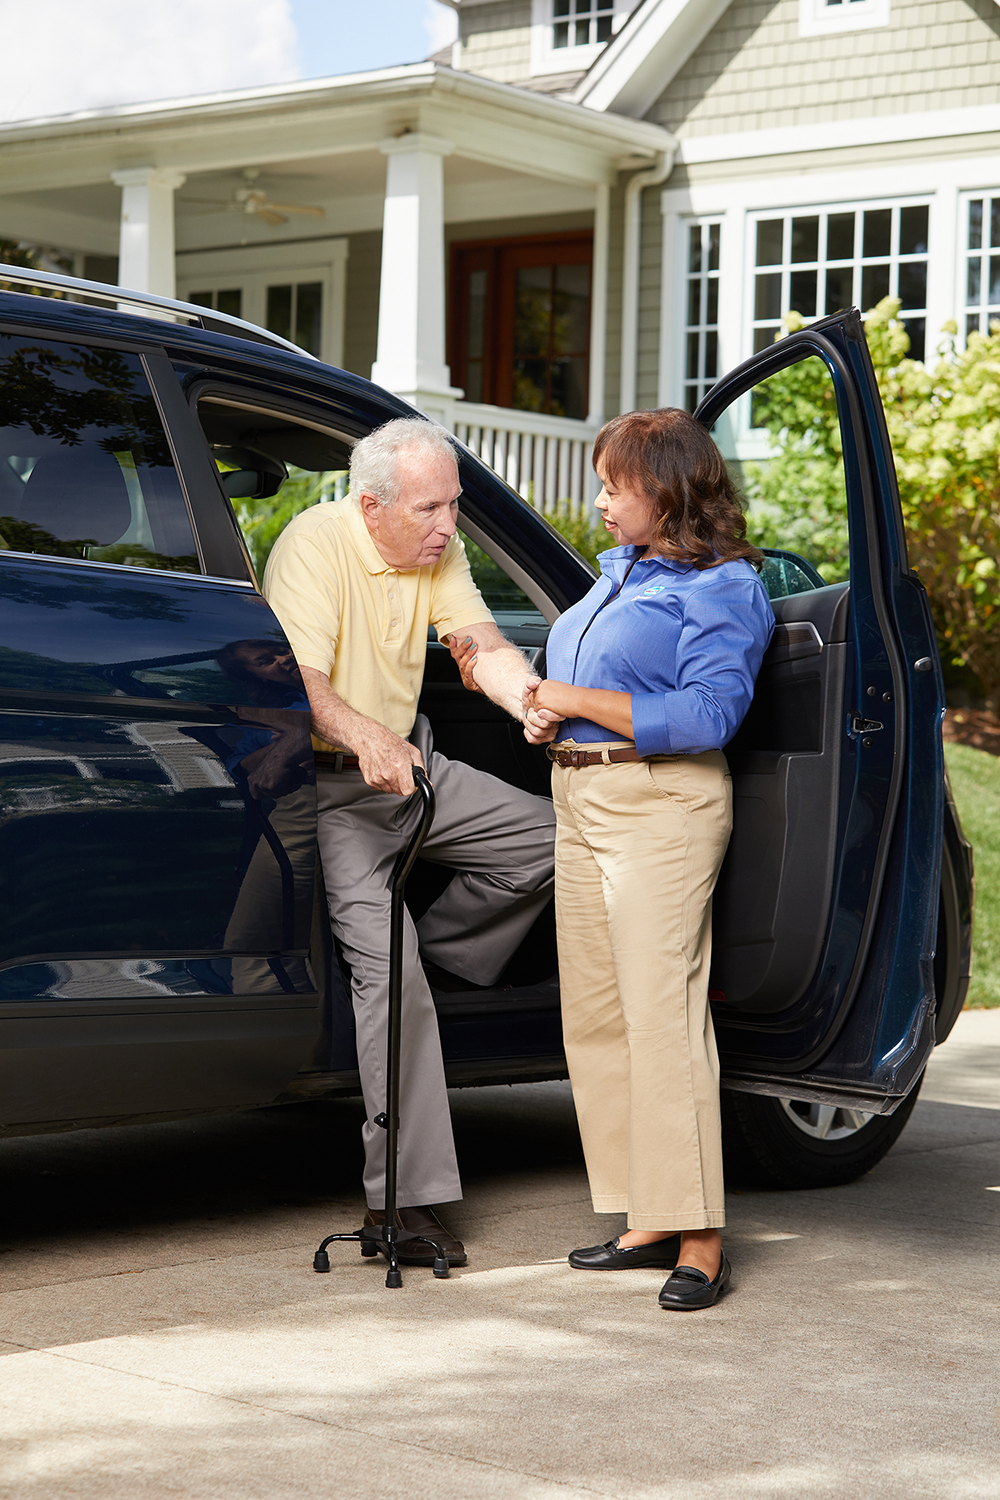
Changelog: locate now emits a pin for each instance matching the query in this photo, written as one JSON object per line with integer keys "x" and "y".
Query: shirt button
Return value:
{"x": 393, "y": 622}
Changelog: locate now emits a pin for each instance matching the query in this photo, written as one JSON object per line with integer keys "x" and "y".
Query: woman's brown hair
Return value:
{"x": 669, "y": 457}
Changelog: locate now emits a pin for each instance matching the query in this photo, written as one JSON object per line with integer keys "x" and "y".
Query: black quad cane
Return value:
{"x": 387, "y": 1236}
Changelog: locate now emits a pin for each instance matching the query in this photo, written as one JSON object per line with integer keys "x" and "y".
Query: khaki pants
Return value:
{"x": 638, "y": 850}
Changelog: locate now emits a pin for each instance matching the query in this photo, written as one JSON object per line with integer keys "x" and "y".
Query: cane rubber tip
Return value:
{"x": 394, "y": 1279}
{"x": 321, "y": 1261}
{"x": 440, "y": 1267}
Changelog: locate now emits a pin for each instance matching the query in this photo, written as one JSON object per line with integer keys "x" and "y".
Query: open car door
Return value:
{"x": 826, "y": 910}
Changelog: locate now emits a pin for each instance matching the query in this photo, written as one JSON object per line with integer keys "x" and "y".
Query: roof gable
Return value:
{"x": 650, "y": 49}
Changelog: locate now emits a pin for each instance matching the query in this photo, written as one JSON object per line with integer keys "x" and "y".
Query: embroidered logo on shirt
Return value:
{"x": 657, "y": 588}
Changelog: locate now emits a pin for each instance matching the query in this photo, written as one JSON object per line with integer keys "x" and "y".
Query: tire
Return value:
{"x": 782, "y": 1143}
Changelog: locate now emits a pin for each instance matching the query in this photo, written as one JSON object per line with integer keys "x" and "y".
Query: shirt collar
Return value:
{"x": 610, "y": 561}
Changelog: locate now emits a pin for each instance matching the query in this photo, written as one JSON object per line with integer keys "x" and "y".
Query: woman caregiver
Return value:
{"x": 650, "y": 675}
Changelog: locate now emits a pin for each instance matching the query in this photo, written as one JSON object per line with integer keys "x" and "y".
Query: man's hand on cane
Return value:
{"x": 386, "y": 761}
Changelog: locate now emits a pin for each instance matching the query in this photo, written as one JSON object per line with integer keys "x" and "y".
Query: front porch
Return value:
{"x": 445, "y": 234}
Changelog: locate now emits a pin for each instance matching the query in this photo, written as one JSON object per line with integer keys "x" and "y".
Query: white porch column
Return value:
{"x": 599, "y": 304}
{"x": 410, "y": 359}
{"x": 146, "y": 239}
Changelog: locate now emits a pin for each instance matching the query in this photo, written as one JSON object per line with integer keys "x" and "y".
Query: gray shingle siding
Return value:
{"x": 495, "y": 40}
{"x": 754, "y": 72}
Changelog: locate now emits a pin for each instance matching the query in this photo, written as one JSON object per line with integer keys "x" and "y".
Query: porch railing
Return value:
{"x": 545, "y": 459}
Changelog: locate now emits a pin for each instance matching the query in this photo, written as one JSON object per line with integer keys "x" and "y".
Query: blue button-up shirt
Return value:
{"x": 686, "y": 644}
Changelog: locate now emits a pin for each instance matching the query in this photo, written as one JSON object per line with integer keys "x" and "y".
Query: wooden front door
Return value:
{"x": 520, "y": 322}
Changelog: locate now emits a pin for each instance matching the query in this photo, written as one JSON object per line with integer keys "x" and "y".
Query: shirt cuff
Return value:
{"x": 318, "y": 663}
{"x": 649, "y": 724}
{"x": 449, "y": 627}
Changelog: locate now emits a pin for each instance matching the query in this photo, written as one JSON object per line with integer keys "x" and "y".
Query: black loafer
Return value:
{"x": 610, "y": 1258}
{"x": 689, "y": 1288}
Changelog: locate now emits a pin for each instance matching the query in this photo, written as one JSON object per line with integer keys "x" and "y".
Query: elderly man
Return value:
{"x": 356, "y": 583}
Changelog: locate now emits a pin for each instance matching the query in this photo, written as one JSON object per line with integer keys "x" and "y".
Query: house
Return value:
{"x": 586, "y": 206}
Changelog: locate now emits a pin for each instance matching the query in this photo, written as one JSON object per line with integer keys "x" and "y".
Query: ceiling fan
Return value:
{"x": 256, "y": 202}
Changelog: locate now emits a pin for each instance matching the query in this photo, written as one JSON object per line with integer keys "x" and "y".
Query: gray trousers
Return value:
{"x": 500, "y": 841}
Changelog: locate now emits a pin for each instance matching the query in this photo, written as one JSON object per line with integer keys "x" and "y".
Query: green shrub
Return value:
{"x": 583, "y": 530}
{"x": 263, "y": 521}
{"x": 975, "y": 780}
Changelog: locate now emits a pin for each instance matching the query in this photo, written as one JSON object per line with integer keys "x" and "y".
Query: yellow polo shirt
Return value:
{"x": 346, "y": 612}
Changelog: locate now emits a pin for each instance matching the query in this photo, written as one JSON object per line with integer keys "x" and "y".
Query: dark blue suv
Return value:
{"x": 143, "y": 972}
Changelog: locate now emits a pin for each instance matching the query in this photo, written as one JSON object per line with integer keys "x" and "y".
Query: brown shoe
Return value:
{"x": 421, "y": 1220}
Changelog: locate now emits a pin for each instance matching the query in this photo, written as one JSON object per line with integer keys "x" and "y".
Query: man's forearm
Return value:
{"x": 487, "y": 659}
{"x": 386, "y": 760}
{"x": 337, "y": 722}
{"x": 502, "y": 673}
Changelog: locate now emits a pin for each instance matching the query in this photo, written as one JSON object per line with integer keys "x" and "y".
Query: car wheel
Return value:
{"x": 784, "y": 1143}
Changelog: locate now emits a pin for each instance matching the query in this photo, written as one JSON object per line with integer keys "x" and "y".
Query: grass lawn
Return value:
{"x": 975, "y": 778}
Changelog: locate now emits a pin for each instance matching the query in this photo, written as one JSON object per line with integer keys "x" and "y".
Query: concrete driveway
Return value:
{"x": 166, "y": 1337}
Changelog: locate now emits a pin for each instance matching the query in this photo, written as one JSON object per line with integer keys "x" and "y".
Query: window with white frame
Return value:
{"x": 292, "y": 309}
{"x": 817, "y": 261}
{"x": 567, "y": 35}
{"x": 982, "y": 262}
{"x": 581, "y": 23}
{"x": 820, "y": 17}
{"x": 295, "y": 290}
{"x": 701, "y": 309}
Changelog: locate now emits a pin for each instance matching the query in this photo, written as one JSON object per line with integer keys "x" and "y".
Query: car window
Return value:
{"x": 85, "y": 467}
{"x": 507, "y": 602}
{"x": 782, "y": 443}
{"x": 271, "y": 467}
{"x": 784, "y": 573}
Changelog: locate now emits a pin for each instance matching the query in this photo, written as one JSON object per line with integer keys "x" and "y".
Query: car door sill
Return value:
{"x": 820, "y": 1091}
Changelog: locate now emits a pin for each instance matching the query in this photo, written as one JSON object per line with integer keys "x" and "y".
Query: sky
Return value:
{"x": 66, "y": 55}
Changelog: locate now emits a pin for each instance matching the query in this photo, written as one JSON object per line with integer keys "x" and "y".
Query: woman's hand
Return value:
{"x": 559, "y": 699}
{"x": 540, "y": 724}
{"x": 553, "y": 701}
{"x": 464, "y": 656}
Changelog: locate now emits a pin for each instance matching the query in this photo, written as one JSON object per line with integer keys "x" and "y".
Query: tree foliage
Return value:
{"x": 944, "y": 426}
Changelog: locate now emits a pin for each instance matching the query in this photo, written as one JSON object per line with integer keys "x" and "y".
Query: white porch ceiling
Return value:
{"x": 348, "y": 186}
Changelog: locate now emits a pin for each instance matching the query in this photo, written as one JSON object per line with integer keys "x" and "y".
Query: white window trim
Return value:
{"x": 853, "y": 205}
{"x": 963, "y": 309}
{"x": 256, "y": 267}
{"x": 546, "y": 59}
{"x": 817, "y": 18}
{"x": 684, "y": 278}
{"x": 942, "y": 181}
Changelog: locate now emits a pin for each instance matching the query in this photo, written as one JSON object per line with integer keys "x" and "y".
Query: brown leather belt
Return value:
{"x": 579, "y": 758}
{"x": 328, "y": 760}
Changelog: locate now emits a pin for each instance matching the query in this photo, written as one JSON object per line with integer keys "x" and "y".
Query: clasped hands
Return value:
{"x": 540, "y": 706}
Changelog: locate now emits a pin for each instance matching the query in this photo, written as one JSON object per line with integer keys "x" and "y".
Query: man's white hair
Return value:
{"x": 375, "y": 460}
